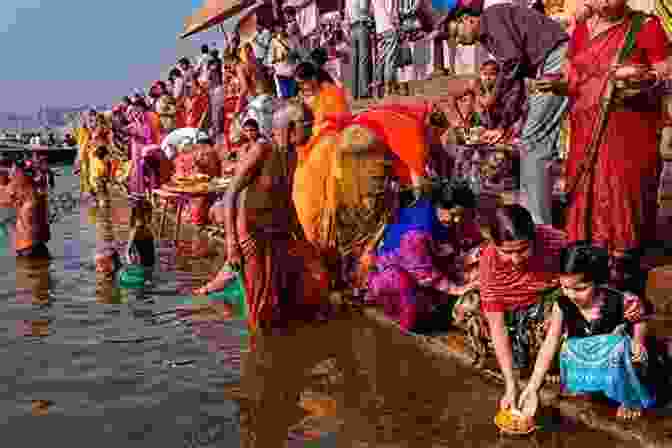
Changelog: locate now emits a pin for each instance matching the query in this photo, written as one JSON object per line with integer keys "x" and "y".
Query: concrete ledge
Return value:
{"x": 651, "y": 431}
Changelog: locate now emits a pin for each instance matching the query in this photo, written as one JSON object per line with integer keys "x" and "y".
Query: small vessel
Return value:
{"x": 55, "y": 154}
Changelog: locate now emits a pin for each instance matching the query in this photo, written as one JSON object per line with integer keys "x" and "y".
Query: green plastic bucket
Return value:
{"x": 233, "y": 294}
{"x": 132, "y": 277}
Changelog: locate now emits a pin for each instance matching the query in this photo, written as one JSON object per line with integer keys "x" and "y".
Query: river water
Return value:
{"x": 86, "y": 364}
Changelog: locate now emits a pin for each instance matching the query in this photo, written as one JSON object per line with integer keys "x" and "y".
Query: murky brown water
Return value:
{"x": 87, "y": 364}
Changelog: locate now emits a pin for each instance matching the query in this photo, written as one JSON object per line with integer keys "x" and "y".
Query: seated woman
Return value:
{"x": 518, "y": 271}
{"x": 600, "y": 333}
{"x": 417, "y": 265}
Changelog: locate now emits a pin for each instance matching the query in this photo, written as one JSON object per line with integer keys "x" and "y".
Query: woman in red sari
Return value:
{"x": 615, "y": 204}
{"x": 196, "y": 106}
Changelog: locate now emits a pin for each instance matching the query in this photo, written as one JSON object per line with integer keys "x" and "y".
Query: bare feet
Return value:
{"x": 624, "y": 413}
{"x": 553, "y": 379}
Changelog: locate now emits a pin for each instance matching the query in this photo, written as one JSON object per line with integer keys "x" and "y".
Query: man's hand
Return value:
{"x": 493, "y": 136}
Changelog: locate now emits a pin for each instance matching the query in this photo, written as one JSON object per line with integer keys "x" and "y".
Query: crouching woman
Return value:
{"x": 601, "y": 332}
{"x": 519, "y": 278}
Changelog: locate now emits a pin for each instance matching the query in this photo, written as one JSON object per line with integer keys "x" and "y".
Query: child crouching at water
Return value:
{"x": 141, "y": 241}
{"x": 32, "y": 215}
{"x": 600, "y": 333}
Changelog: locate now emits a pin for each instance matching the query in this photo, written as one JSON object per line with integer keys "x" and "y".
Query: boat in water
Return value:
{"x": 55, "y": 153}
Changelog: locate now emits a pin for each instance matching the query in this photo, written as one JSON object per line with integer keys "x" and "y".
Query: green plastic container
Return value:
{"x": 132, "y": 277}
{"x": 233, "y": 294}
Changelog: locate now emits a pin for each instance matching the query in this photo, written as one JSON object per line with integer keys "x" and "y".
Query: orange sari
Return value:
{"x": 155, "y": 126}
{"x": 402, "y": 129}
{"x": 315, "y": 159}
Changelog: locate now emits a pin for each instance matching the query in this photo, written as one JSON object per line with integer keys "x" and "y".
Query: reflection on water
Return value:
{"x": 141, "y": 368}
{"x": 386, "y": 393}
{"x": 33, "y": 281}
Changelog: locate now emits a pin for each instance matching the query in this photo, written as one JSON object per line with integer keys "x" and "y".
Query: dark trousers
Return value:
{"x": 361, "y": 60}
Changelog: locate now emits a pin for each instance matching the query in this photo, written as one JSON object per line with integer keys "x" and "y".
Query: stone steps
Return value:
{"x": 431, "y": 87}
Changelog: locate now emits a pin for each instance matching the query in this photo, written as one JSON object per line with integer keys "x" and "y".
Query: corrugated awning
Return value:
{"x": 212, "y": 13}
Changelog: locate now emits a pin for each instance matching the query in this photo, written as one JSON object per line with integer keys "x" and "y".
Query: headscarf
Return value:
{"x": 504, "y": 286}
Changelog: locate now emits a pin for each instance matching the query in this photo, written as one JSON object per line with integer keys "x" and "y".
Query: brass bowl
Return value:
{"x": 513, "y": 422}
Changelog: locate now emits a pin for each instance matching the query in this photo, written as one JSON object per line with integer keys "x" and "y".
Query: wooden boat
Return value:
{"x": 55, "y": 154}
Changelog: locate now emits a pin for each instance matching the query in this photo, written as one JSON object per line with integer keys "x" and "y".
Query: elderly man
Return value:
{"x": 527, "y": 44}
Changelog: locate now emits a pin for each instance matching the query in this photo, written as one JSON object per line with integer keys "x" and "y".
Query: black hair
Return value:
{"x": 455, "y": 193}
{"x": 438, "y": 119}
{"x": 126, "y": 99}
{"x": 102, "y": 152}
{"x": 251, "y": 123}
{"x": 583, "y": 258}
{"x": 319, "y": 56}
{"x": 205, "y": 49}
{"x": 184, "y": 61}
{"x": 312, "y": 70}
{"x": 175, "y": 73}
{"x": 214, "y": 53}
{"x": 467, "y": 12}
{"x": 489, "y": 62}
{"x": 510, "y": 223}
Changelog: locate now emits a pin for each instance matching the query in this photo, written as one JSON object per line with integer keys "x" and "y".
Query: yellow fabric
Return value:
{"x": 97, "y": 170}
{"x": 316, "y": 160}
{"x": 331, "y": 100}
{"x": 664, "y": 12}
{"x": 311, "y": 180}
{"x": 83, "y": 142}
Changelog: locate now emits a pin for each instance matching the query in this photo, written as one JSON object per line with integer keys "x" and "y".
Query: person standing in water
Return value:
{"x": 32, "y": 219}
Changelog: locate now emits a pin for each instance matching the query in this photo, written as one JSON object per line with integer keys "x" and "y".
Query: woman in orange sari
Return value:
{"x": 326, "y": 102}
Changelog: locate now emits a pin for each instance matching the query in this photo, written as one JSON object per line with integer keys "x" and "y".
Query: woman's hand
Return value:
{"x": 508, "y": 401}
{"x": 529, "y": 401}
{"x": 629, "y": 72}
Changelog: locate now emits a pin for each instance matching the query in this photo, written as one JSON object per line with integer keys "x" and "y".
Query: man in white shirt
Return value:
{"x": 386, "y": 16}
{"x": 358, "y": 15}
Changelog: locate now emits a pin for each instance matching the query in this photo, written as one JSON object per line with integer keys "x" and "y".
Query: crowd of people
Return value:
{"x": 321, "y": 199}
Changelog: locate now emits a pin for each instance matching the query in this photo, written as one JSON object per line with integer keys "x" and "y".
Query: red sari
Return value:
{"x": 624, "y": 182}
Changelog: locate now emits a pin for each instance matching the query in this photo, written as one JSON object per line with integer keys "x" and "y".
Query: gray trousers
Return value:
{"x": 361, "y": 60}
{"x": 387, "y": 57}
{"x": 541, "y": 137}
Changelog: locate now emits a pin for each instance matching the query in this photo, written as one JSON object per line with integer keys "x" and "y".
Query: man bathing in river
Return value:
{"x": 265, "y": 241}
{"x": 32, "y": 222}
